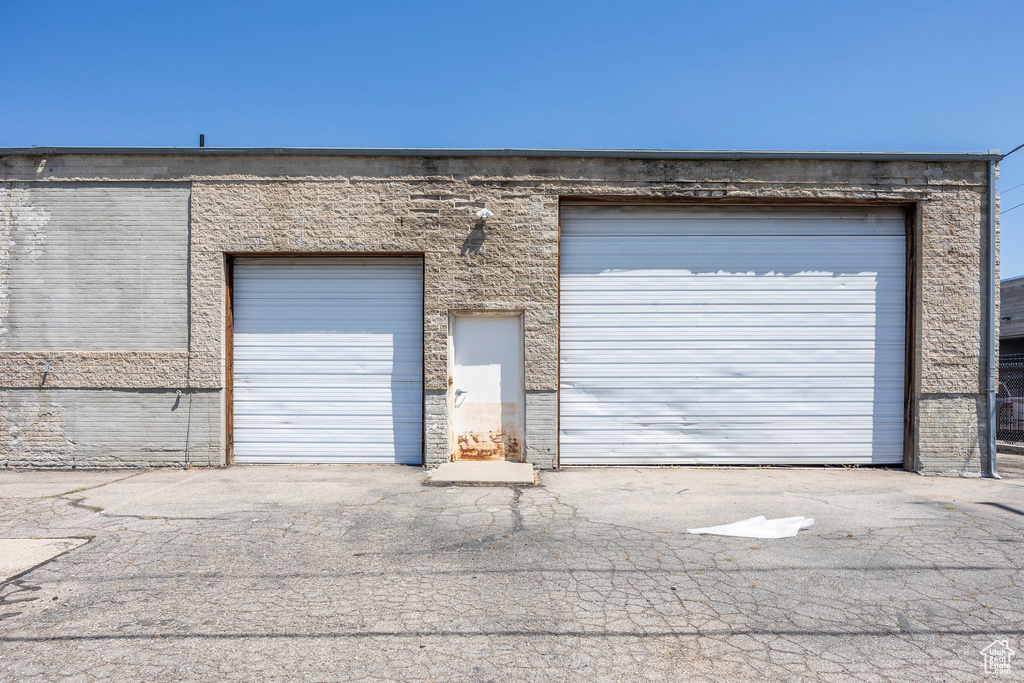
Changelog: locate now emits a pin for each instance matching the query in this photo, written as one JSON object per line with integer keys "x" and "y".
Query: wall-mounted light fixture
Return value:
{"x": 484, "y": 214}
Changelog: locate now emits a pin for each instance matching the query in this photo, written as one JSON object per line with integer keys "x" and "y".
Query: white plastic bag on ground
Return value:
{"x": 759, "y": 527}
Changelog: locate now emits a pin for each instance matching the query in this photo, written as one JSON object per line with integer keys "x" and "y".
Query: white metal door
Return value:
{"x": 732, "y": 335}
{"x": 487, "y": 387}
{"x": 328, "y": 360}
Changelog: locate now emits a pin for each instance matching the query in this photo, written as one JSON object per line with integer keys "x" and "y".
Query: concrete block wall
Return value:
{"x": 94, "y": 340}
{"x": 425, "y": 205}
{"x": 97, "y": 267}
{"x": 542, "y": 428}
{"x": 436, "y": 439}
{"x": 110, "y": 428}
{"x": 949, "y": 374}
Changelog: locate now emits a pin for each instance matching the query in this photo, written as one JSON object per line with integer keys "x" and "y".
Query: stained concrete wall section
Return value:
{"x": 952, "y": 434}
{"x": 96, "y": 267}
{"x": 88, "y": 428}
{"x": 542, "y": 429}
{"x": 93, "y": 345}
{"x": 437, "y": 440}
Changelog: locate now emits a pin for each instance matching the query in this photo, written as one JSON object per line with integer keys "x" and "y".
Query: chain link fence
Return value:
{"x": 1010, "y": 399}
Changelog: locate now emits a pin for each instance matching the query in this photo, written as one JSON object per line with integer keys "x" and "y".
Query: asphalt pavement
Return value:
{"x": 349, "y": 573}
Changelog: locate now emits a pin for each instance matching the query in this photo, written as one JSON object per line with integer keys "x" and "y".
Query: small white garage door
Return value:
{"x": 732, "y": 335}
{"x": 328, "y": 360}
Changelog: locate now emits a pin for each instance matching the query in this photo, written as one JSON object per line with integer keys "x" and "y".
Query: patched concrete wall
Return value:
{"x": 953, "y": 433}
{"x": 88, "y": 428}
{"x": 95, "y": 307}
{"x": 437, "y": 440}
{"x": 425, "y": 205}
{"x": 96, "y": 267}
{"x": 542, "y": 428}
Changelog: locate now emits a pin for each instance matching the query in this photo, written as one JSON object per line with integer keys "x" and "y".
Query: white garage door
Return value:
{"x": 732, "y": 335}
{"x": 328, "y": 360}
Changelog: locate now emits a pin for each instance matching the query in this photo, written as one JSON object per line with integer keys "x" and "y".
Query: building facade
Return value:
{"x": 1011, "y": 321}
{"x": 173, "y": 307}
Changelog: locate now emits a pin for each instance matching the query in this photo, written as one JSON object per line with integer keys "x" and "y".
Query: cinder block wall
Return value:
{"x": 149, "y": 259}
{"x": 94, "y": 334}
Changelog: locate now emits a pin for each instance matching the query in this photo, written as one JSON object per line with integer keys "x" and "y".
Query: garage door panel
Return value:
{"x": 386, "y": 314}
{"x": 720, "y": 334}
{"x": 724, "y": 335}
{"x": 400, "y": 398}
{"x": 730, "y": 357}
{"x": 264, "y": 411}
{"x": 739, "y": 256}
{"x": 312, "y": 453}
{"x": 328, "y": 340}
{"x": 807, "y": 262}
{"x": 602, "y": 414}
{"x": 766, "y": 305}
{"x": 287, "y": 434}
{"x": 382, "y": 356}
{"x": 737, "y": 344}
{"x": 639, "y": 282}
{"x": 704, "y": 450}
{"x": 803, "y": 299}
{"x": 750, "y": 220}
{"x": 805, "y": 453}
{"x": 341, "y": 412}
{"x": 326, "y": 287}
{"x": 700, "y": 394}
{"x": 775, "y": 321}
{"x": 307, "y": 369}
{"x": 327, "y": 424}
{"x": 747, "y": 440}
{"x": 728, "y": 420}
{"x": 328, "y": 360}
{"x": 768, "y": 393}
{"x": 694, "y": 371}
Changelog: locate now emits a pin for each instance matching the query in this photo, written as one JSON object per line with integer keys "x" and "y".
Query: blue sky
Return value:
{"x": 914, "y": 76}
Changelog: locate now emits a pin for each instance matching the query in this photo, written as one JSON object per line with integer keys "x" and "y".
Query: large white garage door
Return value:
{"x": 732, "y": 335}
{"x": 328, "y": 360}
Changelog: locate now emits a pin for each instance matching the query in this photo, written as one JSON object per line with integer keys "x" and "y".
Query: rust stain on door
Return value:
{"x": 489, "y": 431}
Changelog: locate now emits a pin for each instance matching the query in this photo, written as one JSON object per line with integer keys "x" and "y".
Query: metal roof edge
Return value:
{"x": 664, "y": 154}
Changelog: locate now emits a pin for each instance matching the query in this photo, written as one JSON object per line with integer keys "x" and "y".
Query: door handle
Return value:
{"x": 460, "y": 392}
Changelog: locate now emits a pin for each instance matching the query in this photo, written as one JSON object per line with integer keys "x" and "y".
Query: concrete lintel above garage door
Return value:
{"x": 747, "y": 335}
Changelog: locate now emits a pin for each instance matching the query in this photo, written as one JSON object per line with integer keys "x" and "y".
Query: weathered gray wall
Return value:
{"x": 109, "y": 428}
{"x": 95, "y": 287}
{"x": 97, "y": 267}
{"x": 426, "y": 205}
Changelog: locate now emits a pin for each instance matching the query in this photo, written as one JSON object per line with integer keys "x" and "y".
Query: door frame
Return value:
{"x": 450, "y": 395}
